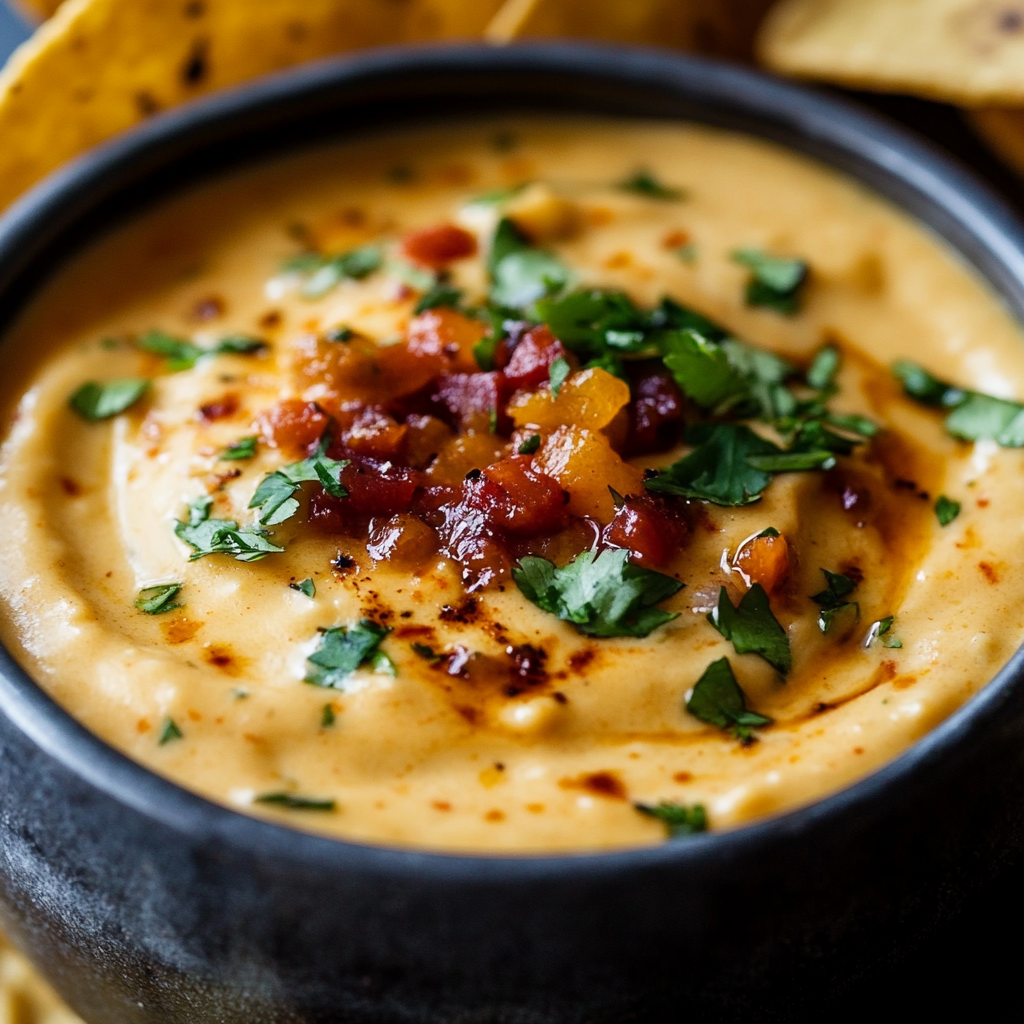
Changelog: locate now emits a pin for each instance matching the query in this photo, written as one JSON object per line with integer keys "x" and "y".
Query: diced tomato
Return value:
{"x": 654, "y": 413}
{"x": 448, "y": 334}
{"x": 475, "y": 401}
{"x": 529, "y": 502}
{"x": 645, "y": 528}
{"x": 438, "y": 246}
{"x": 292, "y": 424}
{"x": 531, "y": 359}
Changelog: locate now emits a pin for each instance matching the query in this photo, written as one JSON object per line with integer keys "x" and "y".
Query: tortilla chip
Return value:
{"x": 969, "y": 52}
{"x": 722, "y": 27}
{"x": 1003, "y": 129}
{"x": 98, "y": 67}
{"x": 24, "y": 996}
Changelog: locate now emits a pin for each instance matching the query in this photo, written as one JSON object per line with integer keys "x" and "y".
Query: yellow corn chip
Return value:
{"x": 98, "y": 67}
{"x": 970, "y": 52}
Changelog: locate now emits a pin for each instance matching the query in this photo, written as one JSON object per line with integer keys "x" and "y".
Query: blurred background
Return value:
{"x": 969, "y": 967}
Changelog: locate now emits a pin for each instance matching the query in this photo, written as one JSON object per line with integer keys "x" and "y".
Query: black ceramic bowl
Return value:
{"x": 144, "y": 904}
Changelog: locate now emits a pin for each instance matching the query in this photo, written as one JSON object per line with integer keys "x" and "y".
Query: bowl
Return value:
{"x": 144, "y": 903}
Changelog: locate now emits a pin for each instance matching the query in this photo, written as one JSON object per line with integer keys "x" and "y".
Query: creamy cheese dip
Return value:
{"x": 492, "y": 724}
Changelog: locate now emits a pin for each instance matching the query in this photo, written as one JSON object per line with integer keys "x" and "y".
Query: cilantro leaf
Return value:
{"x": 643, "y": 183}
{"x": 243, "y": 448}
{"x": 717, "y": 470}
{"x": 222, "y": 536}
{"x": 327, "y": 716}
{"x": 427, "y": 652}
{"x": 775, "y": 281}
{"x": 326, "y": 272}
{"x": 679, "y": 820}
{"x": 170, "y": 732}
{"x": 343, "y": 649}
{"x": 946, "y": 510}
{"x": 292, "y": 802}
{"x": 920, "y": 384}
{"x": 339, "y": 334}
{"x": 274, "y": 496}
{"x": 530, "y": 445}
{"x": 702, "y": 369}
{"x": 836, "y": 611}
{"x": 159, "y": 599}
{"x": 521, "y": 274}
{"x": 718, "y": 700}
{"x": 752, "y": 627}
{"x": 558, "y": 372}
{"x": 94, "y": 401}
{"x": 183, "y": 354}
{"x": 823, "y": 369}
{"x": 881, "y": 630}
{"x": 439, "y": 295}
{"x": 307, "y": 587}
{"x": 601, "y": 596}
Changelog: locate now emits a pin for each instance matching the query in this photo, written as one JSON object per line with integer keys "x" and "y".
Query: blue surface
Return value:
{"x": 13, "y": 30}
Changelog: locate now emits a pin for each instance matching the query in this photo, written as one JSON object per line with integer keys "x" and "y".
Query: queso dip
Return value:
{"x": 534, "y": 486}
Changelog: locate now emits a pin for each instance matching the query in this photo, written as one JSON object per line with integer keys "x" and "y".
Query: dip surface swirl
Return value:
{"x": 393, "y": 501}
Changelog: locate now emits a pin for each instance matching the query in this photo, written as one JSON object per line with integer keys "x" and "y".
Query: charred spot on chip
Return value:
{"x": 195, "y": 9}
{"x": 146, "y": 103}
{"x": 196, "y": 67}
{"x": 220, "y": 409}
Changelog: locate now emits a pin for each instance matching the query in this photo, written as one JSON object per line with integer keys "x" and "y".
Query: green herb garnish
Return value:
{"x": 946, "y": 510}
{"x": 835, "y": 609}
{"x": 822, "y": 372}
{"x": 159, "y": 599}
{"x": 973, "y": 416}
{"x": 678, "y": 819}
{"x": 183, "y": 354}
{"x": 530, "y": 445}
{"x": 881, "y": 630}
{"x": 644, "y": 183}
{"x": 170, "y": 732}
{"x": 327, "y": 716}
{"x": 326, "y": 272}
{"x": 558, "y": 372}
{"x": 439, "y": 295}
{"x": 752, "y": 627}
{"x": 95, "y": 401}
{"x": 208, "y": 536}
{"x": 427, "y": 652}
{"x": 520, "y": 273}
{"x": 291, "y": 802}
{"x": 275, "y": 495}
{"x": 775, "y": 281}
{"x": 601, "y": 596}
{"x": 243, "y": 448}
{"x": 307, "y": 587}
{"x": 343, "y": 649}
{"x": 718, "y": 700}
{"x": 339, "y": 334}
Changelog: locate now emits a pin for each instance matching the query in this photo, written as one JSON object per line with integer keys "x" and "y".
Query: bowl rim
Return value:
{"x": 895, "y": 154}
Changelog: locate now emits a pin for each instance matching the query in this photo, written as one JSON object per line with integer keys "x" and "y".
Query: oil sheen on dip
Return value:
{"x": 483, "y": 721}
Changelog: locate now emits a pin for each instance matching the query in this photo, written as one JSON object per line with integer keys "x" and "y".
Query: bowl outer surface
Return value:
{"x": 144, "y": 904}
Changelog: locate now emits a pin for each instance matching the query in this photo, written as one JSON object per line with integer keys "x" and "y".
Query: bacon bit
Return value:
{"x": 209, "y": 308}
{"x": 532, "y": 357}
{"x": 71, "y": 487}
{"x": 606, "y": 784}
{"x": 989, "y": 571}
{"x": 438, "y": 246}
{"x": 219, "y": 410}
{"x": 645, "y": 527}
{"x": 655, "y": 413}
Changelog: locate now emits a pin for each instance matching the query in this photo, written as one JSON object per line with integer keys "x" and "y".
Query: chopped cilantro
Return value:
{"x": 601, "y": 596}
{"x": 881, "y": 630}
{"x": 291, "y": 802}
{"x": 159, "y": 599}
{"x": 307, "y": 587}
{"x": 327, "y": 716}
{"x": 775, "y": 281}
{"x": 182, "y": 354}
{"x": 96, "y": 401}
{"x": 835, "y": 609}
{"x": 946, "y": 510}
{"x": 703, "y": 370}
{"x": 343, "y": 649}
{"x": 339, "y": 334}
{"x": 326, "y": 272}
{"x": 558, "y": 372}
{"x": 427, "y": 652}
{"x": 752, "y": 627}
{"x": 530, "y": 445}
{"x": 769, "y": 531}
{"x": 275, "y": 496}
{"x": 643, "y": 183}
{"x": 973, "y": 416}
{"x": 822, "y": 372}
{"x": 439, "y": 295}
{"x": 498, "y": 195}
{"x": 243, "y": 448}
{"x": 208, "y": 536}
{"x": 688, "y": 253}
{"x": 520, "y": 273}
{"x": 170, "y": 732}
{"x": 678, "y": 819}
{"x": 718, "y": 700}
